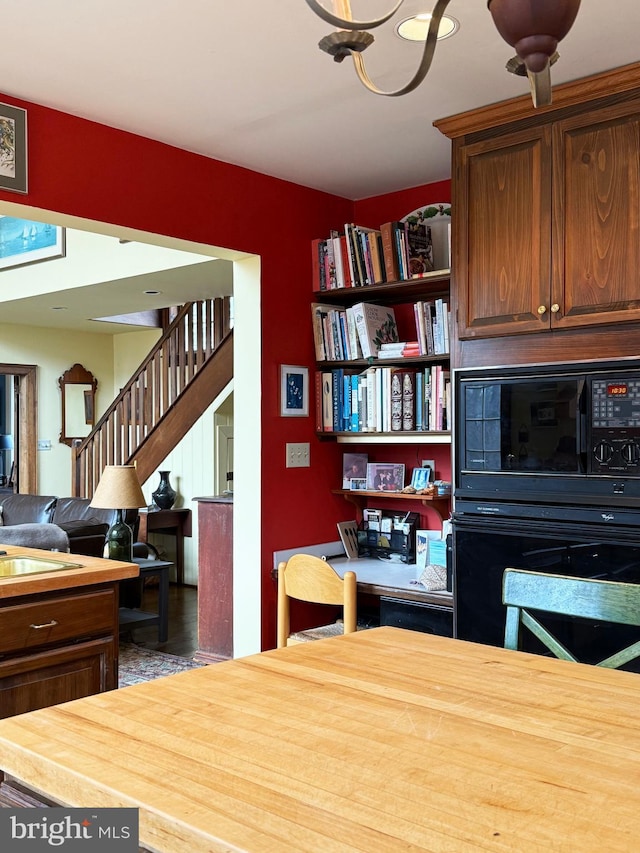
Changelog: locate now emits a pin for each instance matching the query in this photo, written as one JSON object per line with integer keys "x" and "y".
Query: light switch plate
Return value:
{"x": 298, "y": 455}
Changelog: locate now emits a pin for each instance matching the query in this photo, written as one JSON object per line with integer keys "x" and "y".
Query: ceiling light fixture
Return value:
{"x": 532, "y": 27}
{"x": 416, "y": 28}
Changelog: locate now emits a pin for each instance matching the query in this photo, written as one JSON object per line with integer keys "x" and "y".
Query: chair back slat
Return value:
{"x": 604, "y": 601}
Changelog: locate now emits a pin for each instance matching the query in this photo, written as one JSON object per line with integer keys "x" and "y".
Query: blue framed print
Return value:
{"x": 13, "y": 149}
{"x": 25, "y": 242}
{"x": 294, "y": 391}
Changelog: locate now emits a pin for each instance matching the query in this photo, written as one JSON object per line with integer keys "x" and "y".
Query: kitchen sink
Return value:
{"x": 17, "y": 565}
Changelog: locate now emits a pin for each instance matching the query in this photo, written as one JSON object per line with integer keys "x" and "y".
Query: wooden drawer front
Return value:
{"x": 58, "y": 675}
{"x": 25, "y": 626}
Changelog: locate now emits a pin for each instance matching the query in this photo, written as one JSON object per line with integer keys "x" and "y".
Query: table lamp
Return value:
{"x": 119, "y": 489}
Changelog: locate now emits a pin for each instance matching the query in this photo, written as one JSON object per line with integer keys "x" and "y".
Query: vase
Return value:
{"x": 165, "y": 495}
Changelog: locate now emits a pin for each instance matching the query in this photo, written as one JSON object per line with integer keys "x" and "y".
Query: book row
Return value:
{"x": 360, "y": 256}
{"x": 366, "y": 330}
{"x": 383, "y": 399}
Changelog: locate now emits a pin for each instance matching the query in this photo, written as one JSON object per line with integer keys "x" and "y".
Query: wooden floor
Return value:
{"x": 183, "y": 621}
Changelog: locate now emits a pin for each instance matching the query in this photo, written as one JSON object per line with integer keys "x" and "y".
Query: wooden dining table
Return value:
{"x": 382, "y": 740}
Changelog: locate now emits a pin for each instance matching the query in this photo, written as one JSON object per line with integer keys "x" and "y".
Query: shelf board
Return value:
{"x": 391, "y": 291}
{"x": 360, "y": 497}
{"x": 363, "y": 363}
{"x": 400, "y": 437}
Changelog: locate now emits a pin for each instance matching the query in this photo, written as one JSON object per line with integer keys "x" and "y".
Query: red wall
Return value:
{"x": 85, "y": 169}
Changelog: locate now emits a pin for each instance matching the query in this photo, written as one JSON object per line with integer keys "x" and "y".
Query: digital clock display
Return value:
{"x": 617, "y": 389}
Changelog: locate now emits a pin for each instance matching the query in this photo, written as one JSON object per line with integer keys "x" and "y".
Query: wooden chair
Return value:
{"x": 308, "y": 578}
{"x": 605, "y": 601}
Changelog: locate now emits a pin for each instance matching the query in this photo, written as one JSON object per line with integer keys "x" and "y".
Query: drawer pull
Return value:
{"x": 44, "y": 625}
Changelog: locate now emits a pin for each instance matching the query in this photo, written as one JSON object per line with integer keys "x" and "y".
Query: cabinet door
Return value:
{"x": 596, "y": 228}
{"x": 49, "y": 678}
{"x": 503, "y": 231}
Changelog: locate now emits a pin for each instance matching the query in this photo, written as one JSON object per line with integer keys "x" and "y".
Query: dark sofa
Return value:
{"x": 75, "y": 525}
{"x": 85, "y": 526}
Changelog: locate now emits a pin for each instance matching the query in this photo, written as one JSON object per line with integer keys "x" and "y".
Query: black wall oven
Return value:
{"x": 547, "y": 478}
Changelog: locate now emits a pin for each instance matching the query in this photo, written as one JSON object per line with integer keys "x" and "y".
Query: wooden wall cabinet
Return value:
{"x": 547, "y": 205}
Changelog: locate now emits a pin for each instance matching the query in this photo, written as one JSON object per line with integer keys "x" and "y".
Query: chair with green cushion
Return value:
{"x": 605, "y": 601}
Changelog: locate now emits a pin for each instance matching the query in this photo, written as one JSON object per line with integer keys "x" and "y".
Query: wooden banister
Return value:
{"x": 197, "y": 345}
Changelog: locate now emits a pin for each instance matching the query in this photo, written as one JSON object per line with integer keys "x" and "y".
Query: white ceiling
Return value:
{"x": 245, "y": 82}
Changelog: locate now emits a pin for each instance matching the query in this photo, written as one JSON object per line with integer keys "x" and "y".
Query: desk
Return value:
{"x": 175, "y": 522}
{"x": 382, "y": 740}
{"x": 130, "y": 617}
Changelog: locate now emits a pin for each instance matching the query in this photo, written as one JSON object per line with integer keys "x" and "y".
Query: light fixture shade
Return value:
{"x": 534, "y": 28}
{"x": 6, "y": 442}
{"x": 118, "y": 488}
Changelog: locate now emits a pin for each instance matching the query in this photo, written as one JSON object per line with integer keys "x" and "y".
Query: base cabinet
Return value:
{"x": 57, "y": 647}
{"x": 60, "y": 675}
{"x": 416, "y": 616}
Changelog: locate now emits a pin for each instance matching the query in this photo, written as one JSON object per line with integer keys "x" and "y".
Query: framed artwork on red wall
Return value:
{"x": 13, "y": 149}
{"x": 294, "y": 391}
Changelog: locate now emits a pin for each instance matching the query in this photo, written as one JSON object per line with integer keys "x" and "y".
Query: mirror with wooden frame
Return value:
{"x": 78, "y": 393}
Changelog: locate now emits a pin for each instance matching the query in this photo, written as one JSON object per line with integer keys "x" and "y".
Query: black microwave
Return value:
{"x": 554, "y": 433}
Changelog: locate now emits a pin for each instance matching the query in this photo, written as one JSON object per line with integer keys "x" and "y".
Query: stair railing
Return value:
{"x": 185, "y": 347}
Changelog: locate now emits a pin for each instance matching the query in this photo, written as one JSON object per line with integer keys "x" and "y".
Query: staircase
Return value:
{"x": 188, "y": 367}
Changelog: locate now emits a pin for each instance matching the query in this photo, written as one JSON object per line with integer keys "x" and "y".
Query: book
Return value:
{"x": 318, "y": 282}
{"x": 376, "y": 324}
{"x": 408, "y": 400}
{"x": 327, "y": 401}
{"x": 419, "y": 248}
{"x": 321, "y": 327}
{"x": 389, "y": 251}
{"x": 396, "y": 401}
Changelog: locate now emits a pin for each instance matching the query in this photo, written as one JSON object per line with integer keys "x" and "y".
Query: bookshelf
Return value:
{"x": 342, "y": 375}
{"x": 405, "y": 298}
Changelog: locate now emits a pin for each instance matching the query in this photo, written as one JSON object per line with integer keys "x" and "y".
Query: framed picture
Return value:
{"x": 354, "y": 467}
{"x": 25, "y": 242}
{"x": 294, "y": 391}
{"x": 421, "y": 477}
{"x": 13, "y": 149}
{"x": 385, "y": 477}
{"x": 357, "y": 484}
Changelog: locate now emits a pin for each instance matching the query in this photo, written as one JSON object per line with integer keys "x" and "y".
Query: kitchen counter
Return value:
{"x": 92, "y": 570}
{"x": 58, "y": 630}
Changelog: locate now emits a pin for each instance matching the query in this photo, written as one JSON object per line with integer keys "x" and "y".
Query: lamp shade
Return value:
{"x": 6, "y": 442}
{"x": 118, "y": 488}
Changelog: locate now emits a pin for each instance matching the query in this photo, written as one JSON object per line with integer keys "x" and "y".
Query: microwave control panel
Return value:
{"x": 615, "y": 424}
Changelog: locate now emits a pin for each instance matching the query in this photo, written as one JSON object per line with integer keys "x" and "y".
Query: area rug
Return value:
{"x": 137, "y": 664}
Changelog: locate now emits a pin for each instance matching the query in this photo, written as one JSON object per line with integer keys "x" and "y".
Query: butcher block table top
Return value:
{"x": 92, "y": 570}
{"x": 382, "y": 740}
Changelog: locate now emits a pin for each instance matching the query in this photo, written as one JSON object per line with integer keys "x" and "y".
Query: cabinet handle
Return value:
{"x": 555, "y": 308}
{"x": 542, "y": 309}
{"x": 44, "y": 625}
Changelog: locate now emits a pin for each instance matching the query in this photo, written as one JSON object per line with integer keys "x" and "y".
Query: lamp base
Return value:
{"x": 120, "y": 540}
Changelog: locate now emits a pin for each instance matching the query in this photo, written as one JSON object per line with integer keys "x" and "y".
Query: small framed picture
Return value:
{"x": 354, "y": 467}
{"x": 294, "y": 391}
{"x": 421, "y": 477}
{"x": 385, "y": 477}
{"x": 13, "y": 149}
{"x": 357, "y": 484}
